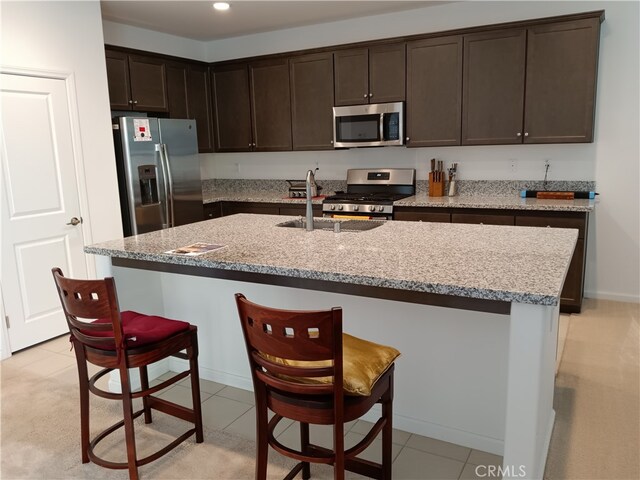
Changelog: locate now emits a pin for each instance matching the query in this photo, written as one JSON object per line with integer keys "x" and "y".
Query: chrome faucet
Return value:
{"x": 311, "y": 182}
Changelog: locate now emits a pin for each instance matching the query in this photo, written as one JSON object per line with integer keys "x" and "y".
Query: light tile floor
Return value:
{"x": 232, "y": 409}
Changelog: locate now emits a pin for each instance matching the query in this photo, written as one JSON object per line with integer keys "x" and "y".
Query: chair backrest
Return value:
{"x": 91, "y": 300}
{"x": 276, "y": 338}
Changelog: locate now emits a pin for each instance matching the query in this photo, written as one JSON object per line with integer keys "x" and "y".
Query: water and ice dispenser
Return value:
{"x": 147, "y": 175}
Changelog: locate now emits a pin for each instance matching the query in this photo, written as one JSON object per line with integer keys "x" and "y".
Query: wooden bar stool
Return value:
{"x": 119, "y": 341}
{"x": 305, "y": 369}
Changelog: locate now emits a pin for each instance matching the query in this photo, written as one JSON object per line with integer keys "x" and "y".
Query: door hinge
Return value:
{"x": 6, "y": 320}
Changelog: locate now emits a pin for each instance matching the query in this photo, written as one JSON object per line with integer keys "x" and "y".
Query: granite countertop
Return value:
{"x": 512, "y": 264}
{"x": 495, "y": 195}
{"x": 498, "y": 202}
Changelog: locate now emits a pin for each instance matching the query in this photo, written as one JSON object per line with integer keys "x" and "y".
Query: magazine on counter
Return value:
{"x": 195, "y": 249}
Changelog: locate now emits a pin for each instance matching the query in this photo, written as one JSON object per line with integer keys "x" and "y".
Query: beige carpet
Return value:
{"x": 40, "y": 439}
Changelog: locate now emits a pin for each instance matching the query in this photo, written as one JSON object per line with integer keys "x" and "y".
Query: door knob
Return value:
{"x": 74, "y": 221}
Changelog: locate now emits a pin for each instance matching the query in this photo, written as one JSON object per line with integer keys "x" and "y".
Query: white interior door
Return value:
{"x": 39, "y": 201}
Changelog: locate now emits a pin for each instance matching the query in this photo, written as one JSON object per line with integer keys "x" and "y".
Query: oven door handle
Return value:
{"x": 382, "y": 127}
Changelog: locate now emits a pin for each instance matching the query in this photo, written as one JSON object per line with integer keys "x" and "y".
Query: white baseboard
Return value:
{"x": 616, "y": 297}
{"x": 154, "y": 371}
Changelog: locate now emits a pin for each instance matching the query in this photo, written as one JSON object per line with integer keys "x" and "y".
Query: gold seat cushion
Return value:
{"x": 363, "y": 364}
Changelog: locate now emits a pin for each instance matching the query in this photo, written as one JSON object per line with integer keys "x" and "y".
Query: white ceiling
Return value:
{"x": 198, "y": 19}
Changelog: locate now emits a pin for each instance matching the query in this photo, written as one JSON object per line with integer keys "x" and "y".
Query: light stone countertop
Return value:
{"x": 512, "y": 264}
{"x": 257, "y": 196}
{"x": 498, "y": 202}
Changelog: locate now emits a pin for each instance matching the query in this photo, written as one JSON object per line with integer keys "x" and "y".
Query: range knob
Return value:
{"x": 333, "y": 207}
{"x": 372, "y": 208}
{"x": 356, "y": 208}
{"x": 380, "y": 209}
{"x": 340, "y": 207}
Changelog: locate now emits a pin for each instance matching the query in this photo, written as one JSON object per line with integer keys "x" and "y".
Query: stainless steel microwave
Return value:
{"x": 374, "y": 125}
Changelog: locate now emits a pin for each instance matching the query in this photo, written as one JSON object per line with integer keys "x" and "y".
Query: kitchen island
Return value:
{"x": 473, "y": 309}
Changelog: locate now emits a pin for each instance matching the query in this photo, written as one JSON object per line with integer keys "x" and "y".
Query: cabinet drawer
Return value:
{"x": 484, "y": 219}
{"x": 231, "y": 208}
{"x": 300, "y": 210}
{"x": 438, "y": 217}
{"x": 555, "y": 222}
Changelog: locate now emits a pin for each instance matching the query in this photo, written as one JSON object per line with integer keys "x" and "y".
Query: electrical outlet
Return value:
{"x": 513, "y": 165}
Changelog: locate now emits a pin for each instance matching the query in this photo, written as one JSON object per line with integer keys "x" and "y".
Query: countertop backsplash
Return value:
{"x": 498, "y": 188}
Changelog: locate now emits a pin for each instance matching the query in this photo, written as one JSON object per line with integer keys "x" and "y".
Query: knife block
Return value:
{"x": 436, "y": 184}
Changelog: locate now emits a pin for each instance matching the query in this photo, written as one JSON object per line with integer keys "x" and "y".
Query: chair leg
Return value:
{"x": 338, "y": 448}
{"x": 304, "y": 444}
{"x": 144, "y": 384}
{"x": 83, "y": 377}
{"x": 387, "y": 432}
{"x": 262, "y": 434}
{"x": 195, "y": 390}
{"x": 129, "y": 433}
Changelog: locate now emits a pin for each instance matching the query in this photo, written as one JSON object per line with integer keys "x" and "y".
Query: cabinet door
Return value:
{"x": 212, "y": 210}
{"x": 118, "y": 80}
{"x": 271, "y": 105}
{"x": 312, "y": 101}
{"x": 148, "y": 84}
{"x": 434, "y": 92}
{"x": 387, "y": 73}
{"x": 572, "y": 291}
{"x": 177, "y": 90}
{"x": 199, "y": 105}
{"x": 232, "y": 113}
{"x": 561, "y": 82}
{"x": 351, "y": 76}
{"x": 493, "y": 88}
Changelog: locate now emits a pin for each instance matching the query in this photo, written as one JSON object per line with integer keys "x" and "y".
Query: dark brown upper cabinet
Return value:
{"x": 252, "y": 106}
{"x": 232, "y": 109}
{"x": 370, "y": 75}
{"x": 199, "y": 104}
{"x": 270, "y": 105}
{"x": 562, "y": 62}
{"x": 312, "y": 101}
{"x": 434, "y": 91}
{"x": 136, "y": 82}
{"x": 177, "y": 89}
{"x": 493, "y": 87}
{"x": 553, "y": 104}
{"x": 189, "y": 96}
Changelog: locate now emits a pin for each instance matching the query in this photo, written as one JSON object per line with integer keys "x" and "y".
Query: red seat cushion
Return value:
{"x": 140, "y": 329}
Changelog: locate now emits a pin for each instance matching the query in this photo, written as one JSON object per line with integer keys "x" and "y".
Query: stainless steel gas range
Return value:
{"x": 371, "y": 193}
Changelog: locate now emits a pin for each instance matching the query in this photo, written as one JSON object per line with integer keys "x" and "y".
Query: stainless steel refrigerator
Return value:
{"x": 158, "y": 173}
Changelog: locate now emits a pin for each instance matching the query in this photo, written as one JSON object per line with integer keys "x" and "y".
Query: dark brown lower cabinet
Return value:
{"x": 480, "y": 218}
{"x": 231, "y": 208}
{"x": 212, "y": 210}
{"x": 299, "y": 210}
{"x": 415, "y": 215}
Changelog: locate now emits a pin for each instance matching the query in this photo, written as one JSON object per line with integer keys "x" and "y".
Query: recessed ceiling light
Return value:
{"x": 221, "y": 6}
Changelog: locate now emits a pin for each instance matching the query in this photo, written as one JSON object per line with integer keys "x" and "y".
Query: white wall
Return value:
{"x": 150, "y": 41}
{"x": 66, "y": 37}
{"x": 613, "y": 257}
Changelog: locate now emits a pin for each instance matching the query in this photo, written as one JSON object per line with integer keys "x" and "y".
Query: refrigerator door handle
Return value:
{"x": 169, "y": 184}
{"x": 165, "y": 184}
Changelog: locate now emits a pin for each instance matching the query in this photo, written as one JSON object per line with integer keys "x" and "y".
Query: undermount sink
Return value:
{"x": 329, "y": 224}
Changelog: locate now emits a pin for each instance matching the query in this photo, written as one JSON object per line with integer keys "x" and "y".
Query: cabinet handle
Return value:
{"x": 135, "y": 102}
{"x": 518, "y": 134}
{"x": 130, "y": 102}
{"x": 331, "y": 142}
{"x": 370, "y": 95}
{"x": 526, "y": 134}
{"x": 365, "y": 95}
{"x": 407, "y": 139}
